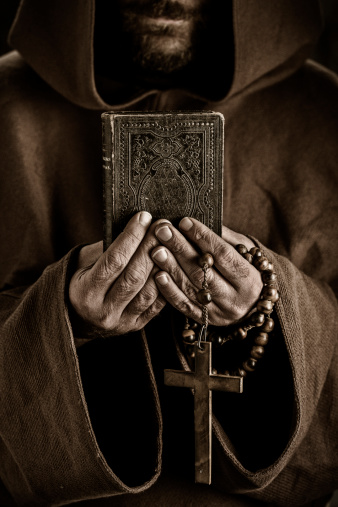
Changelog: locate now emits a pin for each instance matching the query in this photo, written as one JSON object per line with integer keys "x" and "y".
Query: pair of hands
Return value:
{"x": 122, "y": 289}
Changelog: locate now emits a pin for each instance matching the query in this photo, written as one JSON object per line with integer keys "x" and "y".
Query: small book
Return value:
{"x": 167, "y": 163}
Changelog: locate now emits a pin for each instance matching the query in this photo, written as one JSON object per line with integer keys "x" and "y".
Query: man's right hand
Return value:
{"x": 114, "y": 292}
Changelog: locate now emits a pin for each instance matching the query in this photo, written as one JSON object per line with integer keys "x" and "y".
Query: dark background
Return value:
{"x": 326, "y": 51}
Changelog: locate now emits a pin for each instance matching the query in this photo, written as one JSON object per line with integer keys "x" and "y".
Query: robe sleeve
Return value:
{"x": 294, "y": 401}
{"x": 49, "y": 452}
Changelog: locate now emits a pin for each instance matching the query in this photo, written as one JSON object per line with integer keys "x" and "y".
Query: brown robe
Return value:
{"x": 98, "y": 422}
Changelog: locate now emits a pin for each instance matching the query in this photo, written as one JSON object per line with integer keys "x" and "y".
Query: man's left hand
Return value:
{"x": 234, "y": 283}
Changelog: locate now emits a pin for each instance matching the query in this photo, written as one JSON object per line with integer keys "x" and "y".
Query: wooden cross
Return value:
{"x": 203, "y": 381}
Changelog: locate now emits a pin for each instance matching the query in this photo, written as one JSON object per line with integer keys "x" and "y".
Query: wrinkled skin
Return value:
{"x": 120, "y": 290}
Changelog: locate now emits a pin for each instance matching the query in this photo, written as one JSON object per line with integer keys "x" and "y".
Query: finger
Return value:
{"x": 167, "y": 262}
{"x": 145, "y": 297}
{"x": 136, "y": 273}
{"x": 151, "y": 312}
{"x": 146, "y": 304}
{"x": 227, "y": 260}
{"x": 114, "y": 260}
{"x": 234, "y": 238}
{"x": 188, "y": 258}
{"x": 189, "y": 276}
{"x": 176, "y": 297}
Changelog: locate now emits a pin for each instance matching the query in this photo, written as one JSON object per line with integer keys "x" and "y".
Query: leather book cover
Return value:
{"x": 168, "y": 163}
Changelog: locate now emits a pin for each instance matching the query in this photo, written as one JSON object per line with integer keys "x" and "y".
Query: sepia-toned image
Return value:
{"x": 168, "y": 272}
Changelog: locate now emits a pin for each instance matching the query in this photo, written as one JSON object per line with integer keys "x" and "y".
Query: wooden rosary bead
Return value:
{"x": 257, "y": 319}
{"x": 271, "y": 293}
{"x": 262, "y": 339}
{"x": 261, "y": 263}
{"x": 255, "y": 250}
{"x": 257, "y": 351}
{"x": 265, "y": 306}
{"x": 242, "y": 249}
{"x": 248, "y": 257}
{"x": 269, "y": 277}
{"x": 268, "y": 325}
{"x": 204, "y": 296}
{"x": 188, "y": 336}
{"x": 242, "y": 373}
{"x": 249, "y": 364}
{"x": 216, "y": 339}
{"x": 239, "y": 334}
{"x": 190, "y": 351}
{"x": 206, "y": 259}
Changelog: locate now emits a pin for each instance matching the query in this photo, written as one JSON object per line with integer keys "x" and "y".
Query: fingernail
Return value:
{"x": 160, "y": 255}
{"x": 162, "y": 279}
{"x": 163, "y": 220}
{"x": 145, "y": 218}
{"x": 185, "y": 224}
{"x": 164, "y": 233}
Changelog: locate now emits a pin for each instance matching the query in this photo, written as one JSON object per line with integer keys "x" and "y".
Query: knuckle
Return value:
{"x": 113, "y": 262}
{"x": 190, "y": 292}
{"x": 241, "y": 267}
{"x": 177, "y": 275}
{"x": 203, "y": 235}
{"x": 104, "y": 322}
{"x": 144, "y": 299}
{"x": 178, "y": 247}
{"x": 224, "y": 253}
{"x": 254, "y": 287}
{"x": 185, "y": 306}
{"x": 133, "y": 276}
{"x": 130, "y": 237}
{"x": 235, "y": 310}
{"x": 87, "y": 304}
{"x": 238, "y": 311}
{"x": 219, "y": 317}
{"x": 197, "y": 275}
{"x": 98, "y": 321}
{"x": 148, "y": 294}
{"x": 112, "y": 321}
{"x": 154, "y": 309}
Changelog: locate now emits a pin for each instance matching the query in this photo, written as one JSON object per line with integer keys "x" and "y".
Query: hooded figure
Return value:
{"x": 97, "y": 422}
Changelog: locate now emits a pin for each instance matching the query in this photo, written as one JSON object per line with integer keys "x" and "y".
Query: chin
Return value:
{"x": 163, "y": 55}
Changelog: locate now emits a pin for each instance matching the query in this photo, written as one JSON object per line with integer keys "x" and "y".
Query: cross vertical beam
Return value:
{"x": 203, "y": 381}
{"x": 203, "y": 414}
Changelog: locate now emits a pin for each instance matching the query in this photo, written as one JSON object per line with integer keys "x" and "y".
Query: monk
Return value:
{"x": 86, "y": 334}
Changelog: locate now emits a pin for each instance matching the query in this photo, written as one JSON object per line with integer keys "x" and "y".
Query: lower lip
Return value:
{"x": 162, "y": 21}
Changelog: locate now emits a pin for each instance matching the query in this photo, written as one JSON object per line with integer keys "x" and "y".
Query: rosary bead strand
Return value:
{"x": 259, "y": 318}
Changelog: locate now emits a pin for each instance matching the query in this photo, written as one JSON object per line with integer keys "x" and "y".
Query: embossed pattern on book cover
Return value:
{"x": 170, "y": 164}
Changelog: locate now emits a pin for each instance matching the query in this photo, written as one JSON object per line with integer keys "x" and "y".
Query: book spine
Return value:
{"x": 108, "y": 171}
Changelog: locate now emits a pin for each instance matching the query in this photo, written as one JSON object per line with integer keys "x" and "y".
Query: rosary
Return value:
{"x": 205, "y": 379}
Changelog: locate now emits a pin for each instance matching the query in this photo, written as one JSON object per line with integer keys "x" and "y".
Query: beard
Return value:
{"x": 161, "y": 36}
{"x": 154, "y": 57}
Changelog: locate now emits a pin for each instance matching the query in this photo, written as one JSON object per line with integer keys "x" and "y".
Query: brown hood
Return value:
{"x": 55, "y": 37}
